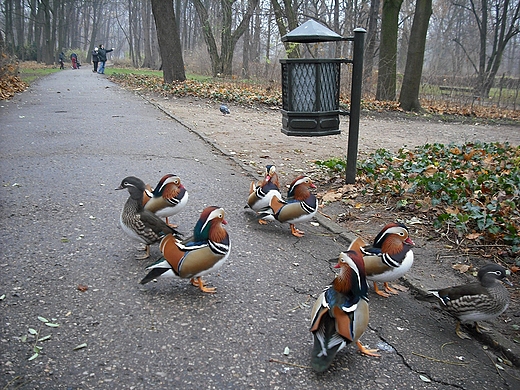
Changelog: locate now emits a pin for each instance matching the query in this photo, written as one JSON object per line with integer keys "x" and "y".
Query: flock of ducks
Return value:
{"x": 340, "y": 314}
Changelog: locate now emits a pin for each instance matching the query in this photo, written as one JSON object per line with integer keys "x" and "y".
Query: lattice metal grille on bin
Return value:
{"x": 329, "y": 91}
{"x": 304, "y": 86}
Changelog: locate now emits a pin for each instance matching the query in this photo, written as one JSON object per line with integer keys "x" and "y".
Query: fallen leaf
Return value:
{"x": 462, "y": 268}
{"x": 430, "y": 171}
{"x": 82, "y": 287}
{"x": 81, "y": 346}
{"x": 34, "y": 356}
{"x": 452, "y": 210}
{"x": 332, "y": 196}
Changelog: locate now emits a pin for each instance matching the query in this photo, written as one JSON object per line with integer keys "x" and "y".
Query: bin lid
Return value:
{"x": 311, "y": 31}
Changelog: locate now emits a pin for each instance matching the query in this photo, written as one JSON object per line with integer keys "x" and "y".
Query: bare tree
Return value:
{"x": 287, "y": 20}
{"x": 505, "y": 25}
{"x": 222, "y": 63}
{"x": 169, "y": 41}
{"x": 409, "y": 97}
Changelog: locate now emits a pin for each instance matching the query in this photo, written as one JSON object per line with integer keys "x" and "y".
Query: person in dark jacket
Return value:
{"x": 61, "y": 60}
{"x": 95, "y": 58}
{"x": 102, "y": 56}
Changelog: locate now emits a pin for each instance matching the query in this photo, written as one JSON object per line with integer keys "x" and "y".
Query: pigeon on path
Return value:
{"x": 224, "y": 109}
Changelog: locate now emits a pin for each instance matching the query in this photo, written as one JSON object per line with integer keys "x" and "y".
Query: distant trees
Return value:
{"x": 474, "y": 39}
{"x": 503, "y": 16}
{"x": 222, "y": 63}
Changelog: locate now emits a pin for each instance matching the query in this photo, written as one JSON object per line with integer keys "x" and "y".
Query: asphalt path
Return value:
{"x": 66, "y": 144}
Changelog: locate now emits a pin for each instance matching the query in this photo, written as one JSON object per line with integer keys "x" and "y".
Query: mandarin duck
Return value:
{"x": 482, "y": 300}
{"x": 203, "y": 253}
{"x": 140, "y": 224}
{"x": 388, "y": 258}
{"x": 261, "y": 193}
{"x": 301, "y": 205}
{"x": 340, "y": 314}
{"x": 168, "y": 198}
{"x": 224, "y": 109}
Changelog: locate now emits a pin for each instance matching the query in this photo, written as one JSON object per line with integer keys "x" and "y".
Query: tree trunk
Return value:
{"x": 9, "y": 28}
{"x": 130, "y": 34}
{"x": 409, "y": 97}
{"x": 386, "y": 81}
{"x": 246, "y": 53}
{"x": 211, "y": 45}
{"x": 371, "y": 41}
{"x": 47, "y": 42}
{"x": 96, "y": 8}
{"x": 483, "y": 43}
{"x": 147, "y": 36}
{"x": 169, "y": 41}
{"x": 19, "y": 26}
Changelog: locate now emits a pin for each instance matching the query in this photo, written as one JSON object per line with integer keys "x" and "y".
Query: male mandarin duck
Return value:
{"x": 261, "y": 193}
{"x": 168, "y": 198}
{"x": 340, "y": 314}
{"x": 203, "y": 253}
{"x": 301, "y": 205}
{"x": 138, "y": 223}
{"x": 388, "y": 258}
{"x": 482, "y": 300}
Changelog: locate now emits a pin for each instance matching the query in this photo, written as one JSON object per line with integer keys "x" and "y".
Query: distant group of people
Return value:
{"x": 99, "y": 59}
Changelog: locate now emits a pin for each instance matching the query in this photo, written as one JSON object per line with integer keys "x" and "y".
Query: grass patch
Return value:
{"x": 152, "y": 73}
{"x": 132, "y": 71}
{"x": 29, "y": 75}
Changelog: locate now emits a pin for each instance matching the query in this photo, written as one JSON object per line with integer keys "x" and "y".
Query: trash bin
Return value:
{"x": 310, "y": 87}
{"x": 310, "y": 96}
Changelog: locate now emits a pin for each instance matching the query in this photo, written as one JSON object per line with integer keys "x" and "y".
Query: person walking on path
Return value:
{"x": 74, "y": 59}
{"x": 61, "y": 60}
{"x": 95, "y": 58}
{"x": 102, "y": 56}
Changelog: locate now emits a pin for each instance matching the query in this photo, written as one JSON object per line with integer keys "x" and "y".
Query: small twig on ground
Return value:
{"x": 325, "y": 215}
{"x": 443, "y": 345}
{"x": 439, "y": 360}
